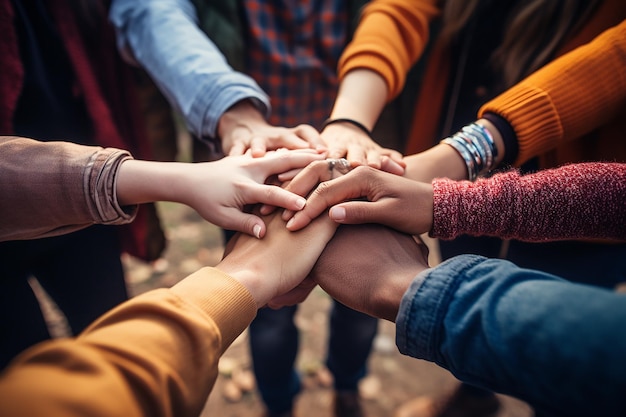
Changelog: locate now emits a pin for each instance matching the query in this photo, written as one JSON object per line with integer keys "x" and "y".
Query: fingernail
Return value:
{"x": 257, "y": 231}
{"x": 290, "y": 222}
{"x": 300, "y": 203}
{"x": 338, "y": 213}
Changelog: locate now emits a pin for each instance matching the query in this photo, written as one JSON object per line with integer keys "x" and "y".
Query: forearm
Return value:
{"x": 570, "y": 202}
{"x": 53, "y": 188}
{"x": 156, "y": 354}
{"x": 391, "y": 36}
{"x": 519, "y": 332}
{"x": 440, "y": 161}
{"x": 148, "y": 181}
{"x": 187, "y": 66}
{"x": 444, "y": 161}
{"x": 362, "y": 96}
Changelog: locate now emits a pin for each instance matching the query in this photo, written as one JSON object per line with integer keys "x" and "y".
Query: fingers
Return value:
{"x": 309, "y": 177}
{"x": 238, "y": 148}
{"x": 260, "y": 141}
{"x": 306, "y": 180}
{"x": 369, "y": 153}
{"x": 245, "y": 223}
{"x": 285, "y": 162}
{"x": 289, "y": 175}
{"x": 301, "y": 137}
{"x": 275, "y": 196}
{"x": 310, "y": 135}
{"x": 258, "y": 146}
{"x": 357, "y": 212}
{"x": 392, "y": 166}
{"x": 327, "y": 194}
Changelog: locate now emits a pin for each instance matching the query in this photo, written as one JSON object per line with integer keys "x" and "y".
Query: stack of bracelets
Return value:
{"x": 477, "y": 148}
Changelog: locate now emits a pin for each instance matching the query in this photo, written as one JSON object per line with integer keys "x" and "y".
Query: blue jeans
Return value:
{"x": 556, "y": 344}
{"x": 274, "y": 345}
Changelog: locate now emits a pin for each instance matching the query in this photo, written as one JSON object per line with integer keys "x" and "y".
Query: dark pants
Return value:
{"x": 593, "y": 263}
{"x": 82, "y": 272}
{"x": 274, "y": 346}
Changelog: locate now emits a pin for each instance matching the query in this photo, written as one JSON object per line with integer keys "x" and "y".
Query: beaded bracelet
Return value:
{"x": 477, "y": 148}
{"x": 486, "y": 135}
{"x": 461, "y": 148}
{"x": 350, "y": 121}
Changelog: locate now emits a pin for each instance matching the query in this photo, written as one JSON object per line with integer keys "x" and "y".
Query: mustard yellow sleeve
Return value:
{"x": 567, "y": 98}
{"x": 391, "y": 36}
{"x": 154, "y": 355}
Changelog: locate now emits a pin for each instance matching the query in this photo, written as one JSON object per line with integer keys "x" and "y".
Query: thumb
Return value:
{"x": 354, "y": 212}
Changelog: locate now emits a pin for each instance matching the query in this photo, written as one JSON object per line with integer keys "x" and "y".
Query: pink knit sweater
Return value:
{"x": 586, "y": 200}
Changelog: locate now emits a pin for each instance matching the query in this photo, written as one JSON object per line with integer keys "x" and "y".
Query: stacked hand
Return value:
{"x": 364, "y": 195}
{"x": 345, "y": 141}
{"x": 369, "y": 267}
{"x": 244, "y": 129}
{"x": 347, "y": 269}
{"x": 278, "y": 263}
{"x": 219, "y": 191}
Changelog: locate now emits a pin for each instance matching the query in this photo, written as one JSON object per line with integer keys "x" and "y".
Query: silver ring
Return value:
{"x": 340, "y": 164}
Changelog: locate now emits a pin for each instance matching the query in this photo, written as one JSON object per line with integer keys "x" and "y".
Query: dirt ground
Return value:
{"x": 392, "y": 380}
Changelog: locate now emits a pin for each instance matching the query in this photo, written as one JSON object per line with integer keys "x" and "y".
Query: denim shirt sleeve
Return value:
{"x": 164, "y": 38}
{"x": 556, "y": 344}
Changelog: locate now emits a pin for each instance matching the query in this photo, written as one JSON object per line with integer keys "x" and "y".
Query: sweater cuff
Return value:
{"x": 100, "y": 185}
{"x": 449, "y": 209}
{"x": 374, "y": 60}
{"x": 228, "y": 303}
{"x": 532, "y": 115}
{"x": 509, "y": 138}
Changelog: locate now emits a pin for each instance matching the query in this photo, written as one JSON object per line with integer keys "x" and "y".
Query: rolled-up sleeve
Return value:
{"x": 53, "y": 188}
{"x": 164, "y": 38}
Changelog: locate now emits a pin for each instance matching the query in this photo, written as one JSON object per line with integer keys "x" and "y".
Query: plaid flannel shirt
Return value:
{"x": 293, "y": 50}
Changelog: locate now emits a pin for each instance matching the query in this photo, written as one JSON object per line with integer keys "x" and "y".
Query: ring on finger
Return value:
{"x": 342, "y": 165}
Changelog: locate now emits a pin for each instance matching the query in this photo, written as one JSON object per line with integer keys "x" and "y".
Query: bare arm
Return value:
{"x": 52, "y": 188}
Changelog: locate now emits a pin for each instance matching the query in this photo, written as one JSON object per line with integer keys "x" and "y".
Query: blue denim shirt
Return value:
{"x": 164, "y": 38}
{"x": 558, "y": 345}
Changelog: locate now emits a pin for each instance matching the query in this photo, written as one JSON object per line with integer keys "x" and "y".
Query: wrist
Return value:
{"x": 242, "y": 114}
{"x": 347, "y": 122}
{"x": 497, "y": 138}
{"x": 438, "y": 161}
{"x": 475, "y": 144}
{"x": 251, "y": 280}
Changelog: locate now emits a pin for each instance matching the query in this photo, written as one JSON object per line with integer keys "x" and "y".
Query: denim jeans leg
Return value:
{"x": 274, "y": 346}
{"x": 351, "y": 336}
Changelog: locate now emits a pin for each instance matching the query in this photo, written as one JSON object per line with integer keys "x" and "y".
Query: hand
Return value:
{"x": 295, "y": 296}
{"x": 347, "y": 141}
{"x": 219, "y": 191}
{"x": 243, "y": 128}
{"x": 395, "y": 201}
{"x": 277, "y": 264}
{"x": 373, "y": 285}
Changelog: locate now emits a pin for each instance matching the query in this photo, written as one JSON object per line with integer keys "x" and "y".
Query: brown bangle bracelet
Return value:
{"x": 349, "y": 121}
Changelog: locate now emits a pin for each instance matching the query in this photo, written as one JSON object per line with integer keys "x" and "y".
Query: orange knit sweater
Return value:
{"x": 393, "y": 34}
